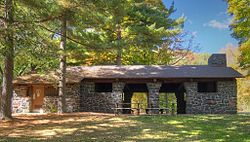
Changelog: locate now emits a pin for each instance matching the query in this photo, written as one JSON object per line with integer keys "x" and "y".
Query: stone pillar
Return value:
{"x": 87, "y": 93}
{"x": 117, "y": 92}
{"x": 153, "y": 96}
{"x": 191, "y": 91}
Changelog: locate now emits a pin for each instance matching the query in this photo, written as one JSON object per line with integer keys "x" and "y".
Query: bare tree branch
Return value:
{"x": 182, "y": 57}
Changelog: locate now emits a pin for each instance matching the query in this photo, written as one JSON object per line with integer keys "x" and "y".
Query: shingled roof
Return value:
{"x": 76, "y": 74}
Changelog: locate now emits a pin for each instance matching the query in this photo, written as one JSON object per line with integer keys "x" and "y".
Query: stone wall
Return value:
{"x": 21, "y": 101}
{"x": 73, "y": 97}
{"x": 50, "y": 104}
{"x": 92, "y": 101}
{"x": 20, "y": 104}
{"x": 221, "y": 102}
{"x": 82, "y": 97}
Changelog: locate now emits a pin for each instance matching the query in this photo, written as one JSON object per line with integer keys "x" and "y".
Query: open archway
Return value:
{"x": 179, "y": 91}
{"x": 129, "y": 90}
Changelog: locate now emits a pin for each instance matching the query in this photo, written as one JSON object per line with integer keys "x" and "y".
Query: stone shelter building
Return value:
{"x": 199, "y": 89}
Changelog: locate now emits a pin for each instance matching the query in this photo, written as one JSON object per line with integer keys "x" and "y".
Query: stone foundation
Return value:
{"x": 221, "y": 102}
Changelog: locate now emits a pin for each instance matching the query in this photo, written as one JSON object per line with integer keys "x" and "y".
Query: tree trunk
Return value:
{"x": 119, "y": 46}
{"x": 7, "y": 86}
{"x": 62, "y": 71}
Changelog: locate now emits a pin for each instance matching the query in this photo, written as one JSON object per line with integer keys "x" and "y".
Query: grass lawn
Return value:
{"x": 101, "y": 127}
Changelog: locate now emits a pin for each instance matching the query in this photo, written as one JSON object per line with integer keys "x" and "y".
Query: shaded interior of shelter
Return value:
{"x": 129, "y": 90}
{"x": 176, "y": 88}
{"x": 179, "y": 90}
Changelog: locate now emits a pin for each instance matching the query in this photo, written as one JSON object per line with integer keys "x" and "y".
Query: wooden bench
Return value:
{"x": 118, "y": 110}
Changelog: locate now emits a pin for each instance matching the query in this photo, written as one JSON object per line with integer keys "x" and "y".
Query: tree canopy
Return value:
{"x": 240, "y": 10}
{"x": 137, "y": 32}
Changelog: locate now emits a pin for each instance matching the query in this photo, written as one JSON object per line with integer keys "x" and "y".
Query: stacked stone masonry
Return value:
{"x": 92, "y": 101}
{"x": 20, "y": 103}
{"x": 223, "y": 101}
{"x": 72, "y": 97}
{"x": 153, "y": 96}
{"x": 217, "y": 60}
{"x": 50, "y": 104}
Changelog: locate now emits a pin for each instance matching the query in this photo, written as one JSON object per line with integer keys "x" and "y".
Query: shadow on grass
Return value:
{"x": 128, "y": 128}
{"x": 203, "y": 127}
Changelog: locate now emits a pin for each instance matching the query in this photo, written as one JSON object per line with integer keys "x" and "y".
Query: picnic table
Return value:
{"x": 119, "y": 107}
{"x": 161, "y": 110}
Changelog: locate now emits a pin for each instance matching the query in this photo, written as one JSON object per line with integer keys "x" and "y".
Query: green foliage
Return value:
{"x": 243, "y": 103}
{"x": 167, "y": 100}
{"x": 245, "y": 55}
{"x": 34, "y": 49}
{"x": 52, "y": 108}
{"x": 240, "y": 10}
{"x": 139, "y": 98}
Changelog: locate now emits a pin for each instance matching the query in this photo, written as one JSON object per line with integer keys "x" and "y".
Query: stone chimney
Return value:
{"x": 217, "y": 60}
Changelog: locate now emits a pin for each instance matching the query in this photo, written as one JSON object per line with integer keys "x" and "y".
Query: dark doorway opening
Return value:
{"x": 179, "y": 91}
{"x": 128, "y": 91}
